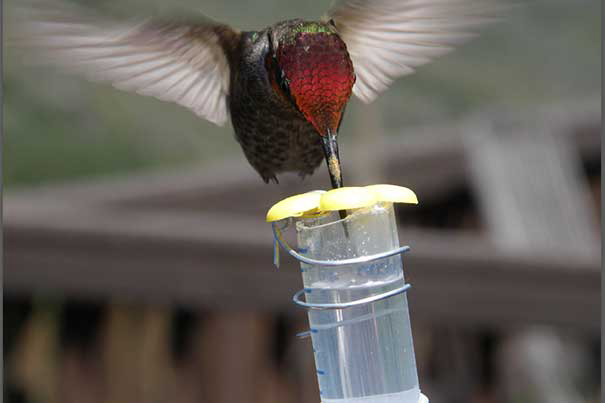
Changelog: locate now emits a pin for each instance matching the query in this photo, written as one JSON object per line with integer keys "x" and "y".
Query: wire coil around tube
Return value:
{"x": 280, "y": 241}
{"x": 360, "y": 259}
{"x": 374, "y": 298}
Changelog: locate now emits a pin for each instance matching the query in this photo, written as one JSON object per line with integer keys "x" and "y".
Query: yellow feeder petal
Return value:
{"x": 393, "y": 194}
{"x": 295, "y": 206}
{"x": 347, "y": 198}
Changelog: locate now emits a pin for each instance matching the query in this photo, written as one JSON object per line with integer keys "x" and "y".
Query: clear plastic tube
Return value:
{"x": 363, "y": 353}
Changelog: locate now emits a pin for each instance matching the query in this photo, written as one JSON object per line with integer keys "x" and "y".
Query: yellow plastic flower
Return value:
{"x": 346, "y": 198}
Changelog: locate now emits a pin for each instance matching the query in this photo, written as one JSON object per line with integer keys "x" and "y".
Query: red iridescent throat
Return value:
{"x": 320, "y": 77}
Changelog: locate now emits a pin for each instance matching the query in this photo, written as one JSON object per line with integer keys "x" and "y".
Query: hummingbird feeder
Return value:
{"x": 354, "y": 291}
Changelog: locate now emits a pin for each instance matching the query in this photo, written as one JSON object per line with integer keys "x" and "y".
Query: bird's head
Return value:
{"x": 309, "y": 65}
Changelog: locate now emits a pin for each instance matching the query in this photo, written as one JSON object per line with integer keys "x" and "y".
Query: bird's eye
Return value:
{"x": 278, "y": 79}
{"x": 331, "y": 22}
{"x": 282, "y": 80}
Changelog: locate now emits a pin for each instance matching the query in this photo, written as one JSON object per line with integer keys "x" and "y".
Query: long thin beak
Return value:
{"x": 332, "y": 158}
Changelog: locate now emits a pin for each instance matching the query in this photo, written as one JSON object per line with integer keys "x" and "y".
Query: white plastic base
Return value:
{"x": 423, "y": 399}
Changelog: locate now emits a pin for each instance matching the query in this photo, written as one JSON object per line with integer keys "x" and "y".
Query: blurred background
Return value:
{"x": 139, "y": 267}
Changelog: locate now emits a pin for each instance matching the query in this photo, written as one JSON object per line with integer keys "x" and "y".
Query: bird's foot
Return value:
{"x": 270, "y": 178}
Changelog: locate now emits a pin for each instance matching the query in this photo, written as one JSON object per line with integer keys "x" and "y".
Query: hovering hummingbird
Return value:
{"x": 285, "y": 87}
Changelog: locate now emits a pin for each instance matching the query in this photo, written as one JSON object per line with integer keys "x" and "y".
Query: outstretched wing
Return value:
{"x": 387, "y": 39}
{"x": 182, "y": 62}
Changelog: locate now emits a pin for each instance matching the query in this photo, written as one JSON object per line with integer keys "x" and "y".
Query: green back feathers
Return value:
{"x": 311, "y": 27}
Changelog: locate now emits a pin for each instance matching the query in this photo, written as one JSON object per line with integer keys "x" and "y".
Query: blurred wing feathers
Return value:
{"x": 186, "y": 63}
{"x": 387, "y": 39}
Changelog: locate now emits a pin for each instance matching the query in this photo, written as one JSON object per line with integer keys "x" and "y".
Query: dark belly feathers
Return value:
{"x": 273, "y": 134}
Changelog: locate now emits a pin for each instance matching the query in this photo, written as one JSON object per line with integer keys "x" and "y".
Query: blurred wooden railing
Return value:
{"x": 142, "y": 249}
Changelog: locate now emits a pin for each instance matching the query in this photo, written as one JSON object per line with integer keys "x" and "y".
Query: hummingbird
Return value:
{"x": 284, "y": 87}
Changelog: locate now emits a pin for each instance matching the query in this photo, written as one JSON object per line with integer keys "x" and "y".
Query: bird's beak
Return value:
{"x": 331, "y": 153}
